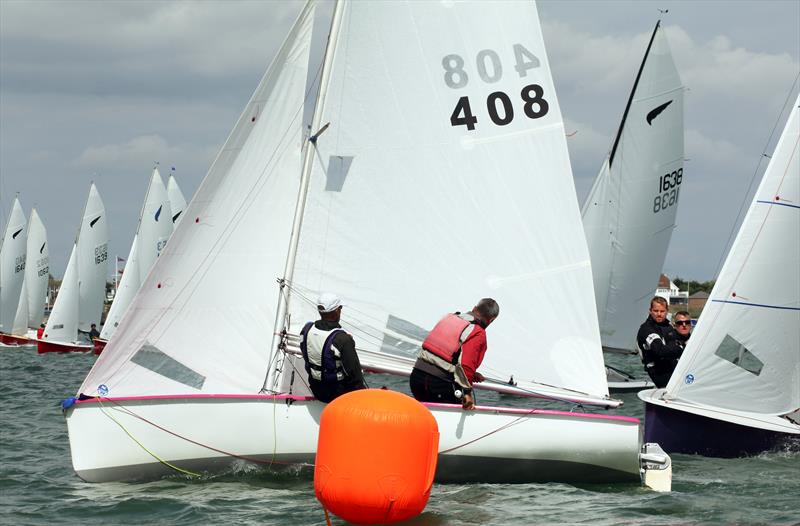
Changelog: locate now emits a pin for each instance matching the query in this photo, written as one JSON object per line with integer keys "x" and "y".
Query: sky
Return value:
{"x": 100, "y": 91}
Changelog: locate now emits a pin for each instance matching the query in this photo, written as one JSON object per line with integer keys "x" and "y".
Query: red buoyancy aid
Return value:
{"x": 445, "y": 339}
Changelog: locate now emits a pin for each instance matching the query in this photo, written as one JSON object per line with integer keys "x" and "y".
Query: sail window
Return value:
{"x": 403, "y": 347}
{"x": 153, "y": 359}
{"x": 733, "y": 351}
{"x": 338, "y": 166}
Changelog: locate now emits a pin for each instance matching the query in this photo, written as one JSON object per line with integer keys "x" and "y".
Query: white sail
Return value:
{"x": 155, "y": 225}
{"x": 128, "y": 286}
{"x": 443, "y": 177}
{"x": 62, "y": 325}
{"x": 92, "y": 260}
{"x": 177, "y": 202}
{"x": 630, "y": 211}
{"x": 212, "y": 291}
{"x": 744, "y": 354}
{"x": 152, "y": 232}
{"x": 20, "y": 326}
{"x": 37, "y": 270}
{"x": 12, "y": 265}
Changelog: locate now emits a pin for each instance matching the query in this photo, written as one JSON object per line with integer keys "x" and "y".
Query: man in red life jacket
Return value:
{"x": 330, "y": 353}
{"x": 447, "y": 365}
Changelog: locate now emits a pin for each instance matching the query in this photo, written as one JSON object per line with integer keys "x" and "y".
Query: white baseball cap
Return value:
{"x": 328, "y": 302}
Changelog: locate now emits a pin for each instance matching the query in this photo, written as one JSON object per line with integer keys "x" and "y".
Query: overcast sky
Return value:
{"x": 101, "y": 90}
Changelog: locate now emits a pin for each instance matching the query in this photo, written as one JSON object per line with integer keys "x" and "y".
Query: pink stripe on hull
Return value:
{"x": 506, "y": 410}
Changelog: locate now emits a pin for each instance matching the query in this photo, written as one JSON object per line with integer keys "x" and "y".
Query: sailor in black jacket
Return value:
{"x": 658, "y": 343}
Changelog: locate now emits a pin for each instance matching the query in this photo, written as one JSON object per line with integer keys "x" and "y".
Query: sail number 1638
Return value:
{"x": 668, "y": 190}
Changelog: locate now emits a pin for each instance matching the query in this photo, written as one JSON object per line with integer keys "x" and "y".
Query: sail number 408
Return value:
{"x": 499, "y": 104}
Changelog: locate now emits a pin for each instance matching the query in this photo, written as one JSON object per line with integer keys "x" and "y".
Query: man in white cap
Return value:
{"x": 330, "y": 353}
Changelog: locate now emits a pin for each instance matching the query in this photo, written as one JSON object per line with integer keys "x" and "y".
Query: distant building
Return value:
{"x": 698, "y": 300}
{"x": 670, "y": 292}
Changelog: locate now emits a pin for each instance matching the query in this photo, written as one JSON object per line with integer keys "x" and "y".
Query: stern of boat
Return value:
{"x": 656, "y": 468}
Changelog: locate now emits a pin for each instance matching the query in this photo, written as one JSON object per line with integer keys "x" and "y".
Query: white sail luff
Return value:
{"x": 755, "y": 303}
{"x": 12, "y": 265}
{"x": 37, "y": 270}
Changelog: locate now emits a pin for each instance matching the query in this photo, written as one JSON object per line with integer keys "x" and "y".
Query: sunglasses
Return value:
{"x": 685, "y": 323}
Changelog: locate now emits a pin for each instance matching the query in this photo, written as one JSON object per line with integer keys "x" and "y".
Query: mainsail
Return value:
{"x": 442, "y": 176}
{"x": 92, "y": 260}
{"x": 630, "y": 211}
{"x": 12, "y": 265}
{"x": 744, "y": 354}
{"x": 177, "y": 202}
{"x": 37, "y": 270}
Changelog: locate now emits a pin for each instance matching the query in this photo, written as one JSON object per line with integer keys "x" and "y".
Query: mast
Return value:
{"x": 281, "y": 316}
{"x": 630, "y": 98}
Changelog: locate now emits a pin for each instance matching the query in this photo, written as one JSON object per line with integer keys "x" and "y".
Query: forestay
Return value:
{"x": 630, "y": 211}
{"x": 744, "y": 354}
{"x": 37, "y": 270}
{"x": 12, "y": 266}
{"x": 152, "y": 233}
{"x": 202, "y": 321}
{"x": 443, "y": 178}
{"x": 92, "y": 260}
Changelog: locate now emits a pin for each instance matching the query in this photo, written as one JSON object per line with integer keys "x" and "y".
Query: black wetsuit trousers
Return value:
{"x": 429, "y": 388}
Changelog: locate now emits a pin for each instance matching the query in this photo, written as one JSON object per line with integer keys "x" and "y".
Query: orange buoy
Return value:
{"x": 376, "y": 456}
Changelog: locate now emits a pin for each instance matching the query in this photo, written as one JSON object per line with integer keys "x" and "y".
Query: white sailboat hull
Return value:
{"x": 486, "y": 445}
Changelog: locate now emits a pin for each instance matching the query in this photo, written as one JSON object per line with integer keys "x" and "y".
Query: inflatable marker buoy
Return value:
{"x": 376, "y": 457}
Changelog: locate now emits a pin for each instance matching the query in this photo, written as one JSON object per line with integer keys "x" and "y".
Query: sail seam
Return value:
{"x": 763, "y": 305}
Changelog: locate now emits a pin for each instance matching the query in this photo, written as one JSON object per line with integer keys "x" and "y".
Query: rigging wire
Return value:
{"x": 735, "y": 225}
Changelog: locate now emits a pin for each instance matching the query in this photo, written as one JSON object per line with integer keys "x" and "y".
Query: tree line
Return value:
{"x": 694, "y": 286}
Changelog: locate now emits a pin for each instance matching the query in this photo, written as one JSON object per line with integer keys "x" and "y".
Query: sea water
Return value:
{"x": 38, "y": 486}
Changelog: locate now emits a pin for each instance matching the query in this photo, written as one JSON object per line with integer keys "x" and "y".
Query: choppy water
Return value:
{"x": 38, "y": 486}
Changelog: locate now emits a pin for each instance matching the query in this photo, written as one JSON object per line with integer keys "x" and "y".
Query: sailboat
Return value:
{"x": 630, "y": 211}
{"x": 30, "y": 307}
{"x": 177, "y": 202}
{"x": 80, "y": 299}
{"x": 152, "y": 231}
{"x": 436, "y": 173}
{"x": 12, "y": 272}
{"x": 736, "y": 388}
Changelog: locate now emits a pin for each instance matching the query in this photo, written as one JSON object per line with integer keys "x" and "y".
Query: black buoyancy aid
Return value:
{"x": 321, "y": 364}
{"x": 446, "y": 337}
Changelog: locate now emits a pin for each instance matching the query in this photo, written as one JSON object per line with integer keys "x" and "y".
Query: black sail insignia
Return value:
{"x": 655, "y": 112}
